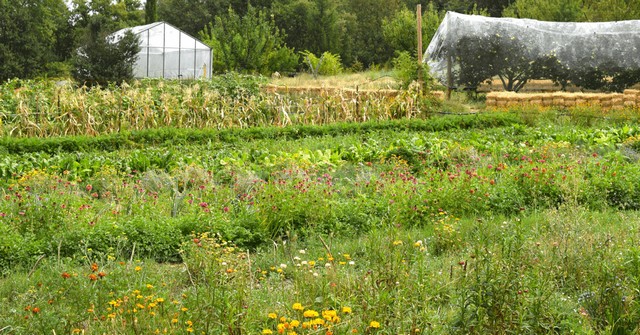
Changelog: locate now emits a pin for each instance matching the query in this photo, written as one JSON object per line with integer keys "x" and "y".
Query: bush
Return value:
{"x": 327, "y": 65}
{"x": 405, "y": 69}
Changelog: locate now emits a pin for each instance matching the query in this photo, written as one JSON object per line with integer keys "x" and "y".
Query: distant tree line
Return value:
{"x": 42, "y": 37}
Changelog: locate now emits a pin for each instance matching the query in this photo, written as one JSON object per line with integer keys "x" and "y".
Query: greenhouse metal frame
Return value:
{"x": 168, "y": 52}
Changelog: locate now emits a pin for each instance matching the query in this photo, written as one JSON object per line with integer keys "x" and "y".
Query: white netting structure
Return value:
{"x": 167, "y": 52}
{"x": 471, "y": 48}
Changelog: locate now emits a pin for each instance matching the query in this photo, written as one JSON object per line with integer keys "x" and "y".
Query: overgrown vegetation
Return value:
{"x": 505, "y": 227}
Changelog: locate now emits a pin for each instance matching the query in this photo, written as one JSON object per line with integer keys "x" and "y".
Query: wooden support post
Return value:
{"x": 419, "y": 34}
{"x": 449, "y": 77}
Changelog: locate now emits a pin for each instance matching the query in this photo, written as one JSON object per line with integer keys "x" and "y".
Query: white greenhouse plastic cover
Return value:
{"x": 167, "y": 52}
{"x": 575, "y": 45}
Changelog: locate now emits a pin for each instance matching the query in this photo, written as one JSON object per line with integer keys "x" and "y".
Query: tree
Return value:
{"x": 151, "y": 11}
{"x": 251, "y": 43}
{"x": 481, "y": 57}
{"x": 547, "y": 10}
{"x": 399, "y": 31}
{"x": 29, "y": 34}
{"x": 105, "y": 59}
{"x": 369, "y": 45}
{"x": 314, "y": 25}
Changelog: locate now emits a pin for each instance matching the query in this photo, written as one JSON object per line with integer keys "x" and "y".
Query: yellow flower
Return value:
{"x": 310, "y": 314}
{"x": 397, "y": 242}
{"x": 137, "y": 268}
{"x": 294, "y": 323}
{"x": 272, "y": 316}
{"x": 149, "y": 286}
{"x": 374, "y": 324}
{"x": 189, "y": 330}
{"x": 346, "y": 310}
{"x": 174, "y": 320}
{"x": 312, "y": 263}
{"x": 298, "y": 306}
{"x": 267, "y": 332}
{"x": 329, "y": 314}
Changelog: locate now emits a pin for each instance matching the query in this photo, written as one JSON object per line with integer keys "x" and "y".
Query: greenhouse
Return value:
{"x": 167, "y": 52}
{"x": 470, "y": 49}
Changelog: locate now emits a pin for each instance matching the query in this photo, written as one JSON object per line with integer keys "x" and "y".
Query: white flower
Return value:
{"x": 283, "y": 266}
{"x": 302, "y": 251}
{"x": 327, "y": 265}
{"x": 352, "y": 263}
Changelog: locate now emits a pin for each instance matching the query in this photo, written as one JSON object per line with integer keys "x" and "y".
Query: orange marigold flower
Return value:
{"x": 93, "y": 277}
{"x": 102, "y": 274}
{"x": 66, "y": 275}
{"x": 94, "y": 267}
{"x": 35, "y": 310}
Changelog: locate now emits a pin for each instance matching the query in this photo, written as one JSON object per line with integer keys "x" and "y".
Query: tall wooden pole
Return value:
{"x": 419, "y": 34}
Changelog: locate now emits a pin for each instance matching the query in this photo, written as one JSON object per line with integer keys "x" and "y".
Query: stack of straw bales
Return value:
{"x": 628, "y": 99}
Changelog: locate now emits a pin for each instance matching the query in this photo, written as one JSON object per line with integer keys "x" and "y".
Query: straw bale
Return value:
{"x": 631, "y": 92}
{"x": 501, "y": 103}
{"x": 628, "y": 103}
{"x": 490, "y": 102}
{"x": 617, "y": 101}
{"x": 535, "y": 101}
{"x": 581, "y": 102}
{"x": 558, "y": 101}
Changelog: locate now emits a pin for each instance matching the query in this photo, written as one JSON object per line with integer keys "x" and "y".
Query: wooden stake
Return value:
{"x": 449, "y": 77}
{"x": 419, "y": 34}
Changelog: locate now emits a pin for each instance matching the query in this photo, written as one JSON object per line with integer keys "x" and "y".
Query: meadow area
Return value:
{"x": 215, "y": 207}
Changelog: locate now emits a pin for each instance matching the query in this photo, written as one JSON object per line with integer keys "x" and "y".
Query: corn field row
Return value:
{"x": 44, "y": 109}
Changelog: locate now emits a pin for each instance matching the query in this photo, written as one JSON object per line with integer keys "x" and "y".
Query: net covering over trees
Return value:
{"x": 592, "y": 55}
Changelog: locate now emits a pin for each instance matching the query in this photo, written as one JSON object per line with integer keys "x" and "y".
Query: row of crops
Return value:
{"x": 254, "y": 190}
{"x": 44, "y": 108}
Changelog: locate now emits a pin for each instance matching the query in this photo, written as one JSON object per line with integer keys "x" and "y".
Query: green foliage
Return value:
{"x": 151, "y": 11}
{"x": 251, "y": 43}
{"x": 547, "y": 10}
{"x": 327, "y": 64}
{"x": 29, "y": 35}
{"x": 406, "y": 67}
{"x": 106, "y": 59}
{"x": 503, "y": 55}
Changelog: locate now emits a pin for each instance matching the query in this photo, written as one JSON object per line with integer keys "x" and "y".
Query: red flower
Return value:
{"x": 35, "y": 310}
